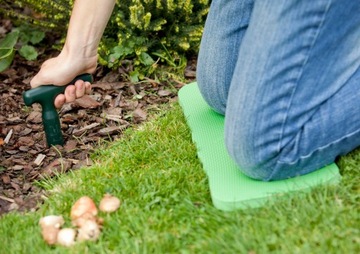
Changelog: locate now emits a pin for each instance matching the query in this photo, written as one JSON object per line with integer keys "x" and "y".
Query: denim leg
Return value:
{"x": 224, "y": 29}
{"x": 294, "y": 98}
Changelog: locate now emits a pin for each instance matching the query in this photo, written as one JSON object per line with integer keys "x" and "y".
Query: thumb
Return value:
{"x": 35, "y": 82}
{"x": 43, "y": 78}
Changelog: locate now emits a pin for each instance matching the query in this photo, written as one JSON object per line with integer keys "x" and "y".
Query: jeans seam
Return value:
{"x": 320, "y": 25}
{"x": 320, "y": 148}
{"x": 327, "y": 145}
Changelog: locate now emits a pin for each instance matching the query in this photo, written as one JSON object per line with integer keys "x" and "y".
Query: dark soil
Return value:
{"x": 113, "y": 106}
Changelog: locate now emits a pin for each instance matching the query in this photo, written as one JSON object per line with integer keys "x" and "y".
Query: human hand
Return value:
{"x": 60, "y": 71}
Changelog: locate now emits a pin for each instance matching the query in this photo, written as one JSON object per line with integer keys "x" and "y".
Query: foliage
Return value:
{"x": 146, "y": 31}
{"x": 49, "y": 15}
{"x": 153, "y": 30}
{"x": 22, "y": 39}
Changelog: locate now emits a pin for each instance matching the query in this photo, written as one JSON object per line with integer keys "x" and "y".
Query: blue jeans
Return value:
{"x": 286, "y": 74}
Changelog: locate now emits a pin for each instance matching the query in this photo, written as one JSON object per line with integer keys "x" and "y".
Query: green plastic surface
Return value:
{"x": 229, "y": 188}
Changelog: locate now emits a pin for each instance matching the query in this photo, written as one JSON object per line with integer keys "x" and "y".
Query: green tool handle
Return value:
{"x": 45, "y": 96}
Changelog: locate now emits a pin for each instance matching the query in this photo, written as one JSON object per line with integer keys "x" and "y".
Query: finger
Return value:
{"x": 70, "y": 93}
{"x": 87, "y": 87}
{"x": 59, "y": 100}
{"x": 79, "y": 88}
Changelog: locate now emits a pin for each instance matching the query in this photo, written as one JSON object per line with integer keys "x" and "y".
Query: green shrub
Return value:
{"x": 145, "y": 31}
{"x": 20, "y": 39}
{"x": 45, "y": 14}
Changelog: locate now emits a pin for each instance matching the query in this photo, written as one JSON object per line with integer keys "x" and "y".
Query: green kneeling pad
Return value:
{"x": 230, "y": 189}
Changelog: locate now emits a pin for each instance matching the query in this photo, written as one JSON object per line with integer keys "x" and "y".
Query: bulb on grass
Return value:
{"x": 50, "y": 227}
{"x": 84, "y": 216}
{"x": 84, "y": 206}
{"x": 109, "y": 203}
{"x": 66, "y": 237}
{"x": 90, "y": 230}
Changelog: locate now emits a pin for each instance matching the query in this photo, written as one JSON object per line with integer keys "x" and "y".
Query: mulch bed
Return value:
{"x": 113, "y": 106}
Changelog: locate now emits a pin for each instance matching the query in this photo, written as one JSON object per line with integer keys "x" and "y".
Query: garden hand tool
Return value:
{"x": 45, "y": 96}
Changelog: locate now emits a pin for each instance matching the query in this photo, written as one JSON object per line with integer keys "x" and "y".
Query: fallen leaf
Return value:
{"x": 139, "y": 115}
{"x": 34, "y": 117}
{"x": 111, "y": 130}
{"x": 87, "y": 102}
{"x": 27, "y": 140}
{"x": 57, "y": 166}
{"x": 5, "y": 179}
{"x": 70, "y": 145}
{"x": 164, "y": 92}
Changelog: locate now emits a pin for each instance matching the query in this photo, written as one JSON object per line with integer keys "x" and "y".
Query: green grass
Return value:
{"x": 166, "y": 205}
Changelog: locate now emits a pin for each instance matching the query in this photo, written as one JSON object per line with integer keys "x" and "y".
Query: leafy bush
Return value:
{"x": 146, "y": 31}
{"x": 22, "y": 40}
{"x": 46, "y": 14}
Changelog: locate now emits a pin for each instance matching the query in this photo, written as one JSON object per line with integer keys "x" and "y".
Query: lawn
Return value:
{"x": 166, "y": 205}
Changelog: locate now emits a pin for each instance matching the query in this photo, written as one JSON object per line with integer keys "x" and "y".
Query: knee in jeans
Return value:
{"x": 252, "y": 161}
{"x": 255, "y": 169}
{"x": 210, "y": 93}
